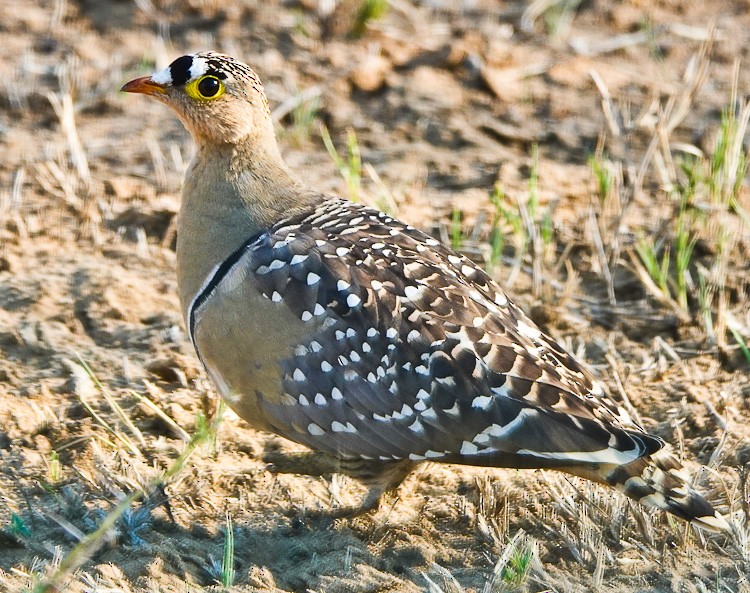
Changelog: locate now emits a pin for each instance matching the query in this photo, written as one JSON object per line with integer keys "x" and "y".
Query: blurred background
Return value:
{"x": 591, "y": 154}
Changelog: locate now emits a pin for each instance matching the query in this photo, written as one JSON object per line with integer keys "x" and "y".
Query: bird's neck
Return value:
{"x": 231, "y": 193}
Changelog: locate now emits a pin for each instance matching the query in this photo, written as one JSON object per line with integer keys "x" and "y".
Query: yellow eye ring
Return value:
{"x": 205, "y": 88}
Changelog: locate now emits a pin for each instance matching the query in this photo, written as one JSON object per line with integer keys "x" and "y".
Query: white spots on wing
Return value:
{"x": 376, "y": 284}
{"x": 468, "y": 448}
{"x": 454, "y": 259}
{"x": 337, "y": 426}
{"x": 276, "y": 297}
{"x": 447, "y": 381}
{"x": 353, "y": 300}
{"x": 483, "y": 402}
{"x": 528, "y": 331}
{"x": 372, "y": 332}
{"x": 422, "y": 394}
{"x": 454, "y": 411}
{"x": 415, "y": 315}
{"x": 336, "y": 394}
{"x": 356, "y": 220}
{"x": 319, "y": 310}
{"x": 342, "y": 251}
{"x": 378, "y": 246}
{"x": 412, "y": 292}
{"x": 421, "y": 370}
{"x": 303, "y": 400}
{"x": 413, "y": 336}
{"x": 430, "y": 454}
{"x": 500, "y": 299}
{"x": 315, "y": 346}
{"x": 596, "y": 389}
{"x": 312, "y": 278}
{"x": 298, "y": 259}
{"x": 342, "y": 285}
{"x": 366, "y": 347}
{"x": 406, "y": 410}
{"x": 502, "y": 391}
{"x": 326, "y": 367}
{"x": 623, "y": 415}
{"x": 477, "y": 321}
{"x": 432, "y": 242}
{"x": 482, "y": 438}
{"x": 415, "y": 457}
{"x": 299, "y": 375}
{"x": 420, "y": 406}
{"x": 319, "y": 399}
{"x": 467, "y": 270}
{"x": 339, "y": 335}
{"x": 534, "y": 351}
{"x": 321, "y": 242}
{"x": 416, "y": 426}
{"x": 315, "y": 430}
{"x": 301, "y": 350}
{"x": 499, "y": 432}
{"x": 306, "y": 316}
{"x": 429, "y": 414}
{"x": 391, "y": 333}
{"x": 413, "y": 269}
{"x": 354, "y": 356}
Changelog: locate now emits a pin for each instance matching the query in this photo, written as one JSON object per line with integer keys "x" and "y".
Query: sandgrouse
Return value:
{"x": 341, "y": 328}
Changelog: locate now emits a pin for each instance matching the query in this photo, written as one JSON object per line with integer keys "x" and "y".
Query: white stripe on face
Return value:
{"x": 162, "y": 77}
{"x": 198, "y": 68}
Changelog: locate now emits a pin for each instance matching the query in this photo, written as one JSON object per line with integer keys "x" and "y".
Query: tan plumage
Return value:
{"x": 341, "y": 328}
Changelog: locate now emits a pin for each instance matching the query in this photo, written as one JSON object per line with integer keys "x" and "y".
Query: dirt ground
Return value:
{"x": 446, "y": 98}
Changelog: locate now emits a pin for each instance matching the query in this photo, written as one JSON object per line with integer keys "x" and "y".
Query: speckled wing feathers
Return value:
{"x": 414, "y": 353}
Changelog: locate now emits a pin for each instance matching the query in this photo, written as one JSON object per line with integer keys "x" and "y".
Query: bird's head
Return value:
{"x": 219, "y": 99}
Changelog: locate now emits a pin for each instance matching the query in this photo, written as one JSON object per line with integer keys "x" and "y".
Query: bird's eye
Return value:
{"x": 209, "y": 86}
{"x": 206, "y": 87}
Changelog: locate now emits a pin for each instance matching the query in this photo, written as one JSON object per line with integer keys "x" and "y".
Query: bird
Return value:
{"x": 341, "y": 328}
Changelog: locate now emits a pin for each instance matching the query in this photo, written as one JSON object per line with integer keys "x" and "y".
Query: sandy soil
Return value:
{"x": 446, "y": 99}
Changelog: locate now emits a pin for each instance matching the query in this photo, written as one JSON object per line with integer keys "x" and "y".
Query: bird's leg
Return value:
{"x": 304, "y": 463}
{"x": 377, "y": 476}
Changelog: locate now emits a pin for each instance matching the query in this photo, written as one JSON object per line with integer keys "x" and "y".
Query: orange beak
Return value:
{"x": 145, "y": 86}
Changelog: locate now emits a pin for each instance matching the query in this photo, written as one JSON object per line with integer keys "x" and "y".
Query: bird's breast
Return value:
{"x": 241, "y": 337}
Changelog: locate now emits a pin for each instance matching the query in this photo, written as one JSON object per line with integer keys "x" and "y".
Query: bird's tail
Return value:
{"x": 659, "y": 480}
